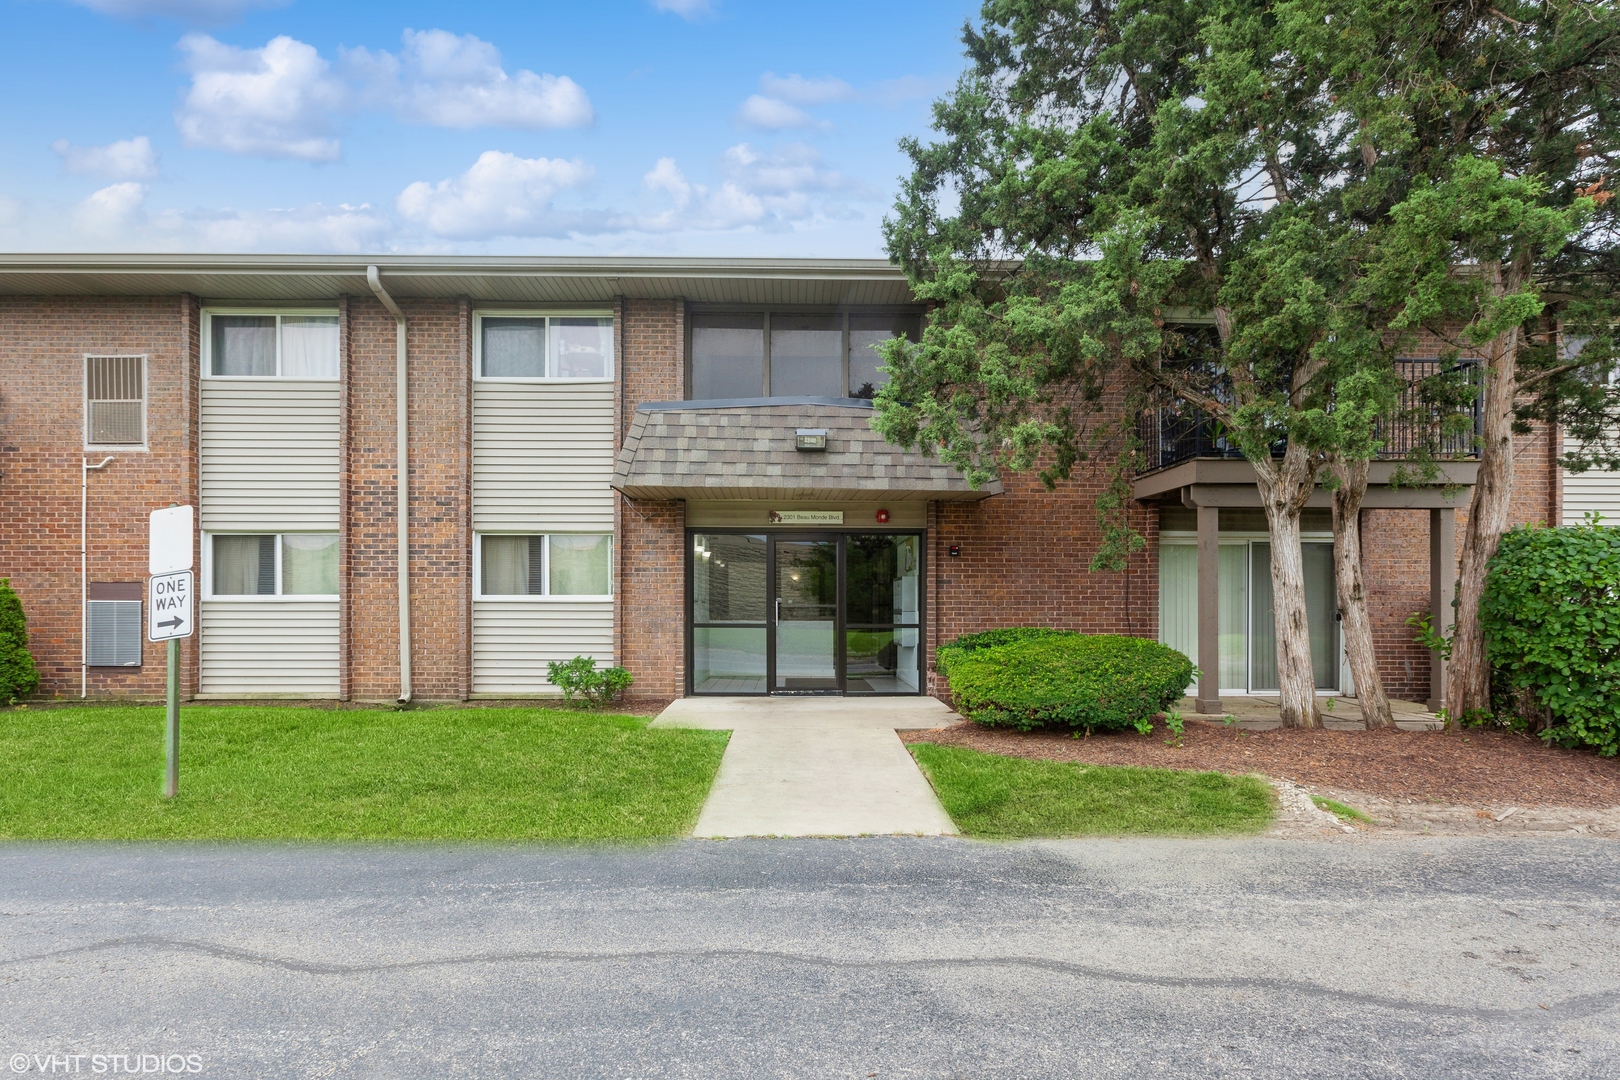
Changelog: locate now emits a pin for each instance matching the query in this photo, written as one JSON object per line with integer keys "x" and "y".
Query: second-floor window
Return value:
{"x": 791, "y": 354}
{"x": 520, "y": 346}
{"x": 272, "y": 345}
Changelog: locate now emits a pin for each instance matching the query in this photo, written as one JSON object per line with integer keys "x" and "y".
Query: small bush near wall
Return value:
{"x": 580, "y": 677}
{"x": 1551, "y": 613}
{"x": 1095, "y": 683}
{"x": 990, "y": 639}
{"x": 18, "y": 676}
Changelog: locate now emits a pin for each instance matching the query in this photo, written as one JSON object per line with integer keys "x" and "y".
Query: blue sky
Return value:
{"x": 630, "y": 127}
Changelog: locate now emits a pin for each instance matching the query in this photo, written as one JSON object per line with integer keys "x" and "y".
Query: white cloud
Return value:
{"x": 112, "y": 210}
{"x": 802, "y": 91}
{"x": 271, "y": 102}
{"x": 455, "y": 81}
{"x": 771, "y": 114}
{"x": 204, "y": 12}
{"x": 116, "y": 218}
{"x": 501, "y": 195}
{"x": 686, "y": 9}
{"x": 342, "y": 229}
{"x": 10, "y": 211}
{"x": 770, "y": 191}
{"x": 126, "y": 159}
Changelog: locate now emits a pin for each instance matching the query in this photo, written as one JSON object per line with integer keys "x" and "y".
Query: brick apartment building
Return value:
{"x": 665, "y": 464}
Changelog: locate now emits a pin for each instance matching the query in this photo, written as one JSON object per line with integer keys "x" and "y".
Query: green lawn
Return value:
{"x": 314, "y": 774}
{"x": 1008, "y": 798}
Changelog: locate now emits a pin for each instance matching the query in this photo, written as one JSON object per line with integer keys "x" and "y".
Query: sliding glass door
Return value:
{"x": 805, "y": 614}
{"x": 1247, "y": 629}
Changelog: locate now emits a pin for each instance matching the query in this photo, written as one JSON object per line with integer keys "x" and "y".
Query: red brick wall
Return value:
{"x": 43, "y": 342}
{"x": 440, "y": 496}
{"x": 651, "y": 585}
{"x": 1395, "y": 554}
{"x": 1025, "y": 557}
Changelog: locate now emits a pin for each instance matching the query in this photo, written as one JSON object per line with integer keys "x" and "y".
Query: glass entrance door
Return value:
{"x": 805, "y": 611}
{"x": 805, "y": 614}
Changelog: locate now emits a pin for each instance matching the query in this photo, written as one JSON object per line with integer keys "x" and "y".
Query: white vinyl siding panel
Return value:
{"x": 513, "y": 640}
{"x": 1591, "y": 490}
{"x": 542, "y": 457}
{"x": 269, "y": 647}
{"x": 270, "y": 455}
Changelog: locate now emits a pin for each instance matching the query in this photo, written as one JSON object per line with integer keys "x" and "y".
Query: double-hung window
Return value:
{"x": 552, "y": 564}
{"x": 271, "y": 345}
{"x": 274, "y": 564}
{"x": 114, "y": 401}
{"x": 741, "y": 354}
{"x": 555, "y": 347}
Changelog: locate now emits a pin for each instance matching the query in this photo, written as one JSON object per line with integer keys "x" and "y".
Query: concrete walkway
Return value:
{"x": 816, "y": 766}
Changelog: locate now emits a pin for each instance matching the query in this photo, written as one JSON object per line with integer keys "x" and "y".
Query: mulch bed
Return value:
{"x": 1477, "y": 767}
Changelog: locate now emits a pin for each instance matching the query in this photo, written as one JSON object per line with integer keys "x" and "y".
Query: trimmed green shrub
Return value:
{"x": 18, "y": 676}
{"x": 990, "y": 639}
{"x": 1551, "y": 614}
{"x": 1101, "y": 682}
{"x": 580, "y": 677}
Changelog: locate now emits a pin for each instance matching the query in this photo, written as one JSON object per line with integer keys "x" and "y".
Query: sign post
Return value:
{"x": 171, "y": 615}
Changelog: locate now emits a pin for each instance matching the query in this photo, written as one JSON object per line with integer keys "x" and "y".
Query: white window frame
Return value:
{"x": 545, "y": 568}
{"x": 208, "y": 342}
{"x": 144, "y": 446}
{"x": 478, "y": 349}
{"x": 207, "y": 591}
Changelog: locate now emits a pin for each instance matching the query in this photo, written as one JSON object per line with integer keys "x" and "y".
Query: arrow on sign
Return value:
{"x": 175, "y": 622}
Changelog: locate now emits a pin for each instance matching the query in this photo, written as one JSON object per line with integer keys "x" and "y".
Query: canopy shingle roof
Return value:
{"x": 744, "y": 449}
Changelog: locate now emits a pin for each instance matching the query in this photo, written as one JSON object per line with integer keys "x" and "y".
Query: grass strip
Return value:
{"x": 1341, "y": 810}
{"x": 289, "y": 773}
{"x": 1006, "y": 798}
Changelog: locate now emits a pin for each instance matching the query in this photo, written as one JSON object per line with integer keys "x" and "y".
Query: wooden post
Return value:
{"x": 1209, "y": 609}
{"x": 1442, "y": 592}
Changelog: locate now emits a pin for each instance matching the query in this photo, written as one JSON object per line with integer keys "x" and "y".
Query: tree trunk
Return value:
{"x": 1468, "y": 679}
{"x": 1284, "y": 488}
{"x": 1357, "y": 628}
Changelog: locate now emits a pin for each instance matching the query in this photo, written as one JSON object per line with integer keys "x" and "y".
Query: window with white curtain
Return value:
{"x": 555, "y": 564}
{"x": 523, "y": 346}
{"x": 272, "y": 564}
{"x": 268, "y": 345}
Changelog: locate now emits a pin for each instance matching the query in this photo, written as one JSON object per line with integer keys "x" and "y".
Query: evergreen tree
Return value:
{"x": 18, "y": 676}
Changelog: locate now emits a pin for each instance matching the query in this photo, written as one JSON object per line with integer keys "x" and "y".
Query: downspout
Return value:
{"x": 84, "y": 572}
{"x": 402, "y": 460}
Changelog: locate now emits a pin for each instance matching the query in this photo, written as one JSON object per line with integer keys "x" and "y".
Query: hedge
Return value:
{"x": 990, "y": 639}
{"x": 1551, "y": 615}
{"x": 1097, "y": 683}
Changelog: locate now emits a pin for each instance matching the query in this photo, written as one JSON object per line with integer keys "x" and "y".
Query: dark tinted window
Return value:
{"x": 807, "y": 355}
{"x": 866, "y": 332}
{"x": 728, "y": 356}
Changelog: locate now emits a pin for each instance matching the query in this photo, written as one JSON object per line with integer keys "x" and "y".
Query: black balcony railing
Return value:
{"x": 1182, "y": 432}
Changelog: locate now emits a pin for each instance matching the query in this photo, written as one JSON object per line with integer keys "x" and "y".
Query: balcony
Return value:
{"x": 1182, "y": 432}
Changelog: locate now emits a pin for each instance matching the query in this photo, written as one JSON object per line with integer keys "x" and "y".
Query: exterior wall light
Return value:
{"x": 810, "y": 439}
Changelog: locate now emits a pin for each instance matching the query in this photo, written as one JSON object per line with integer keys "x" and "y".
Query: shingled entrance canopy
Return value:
{"x": 746, "y": 448}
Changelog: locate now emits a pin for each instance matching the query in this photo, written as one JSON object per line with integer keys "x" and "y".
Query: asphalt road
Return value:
{"x": 857, "y": 958}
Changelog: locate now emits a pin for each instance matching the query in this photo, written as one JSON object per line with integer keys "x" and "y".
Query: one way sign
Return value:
{"x": 171, "y": 612}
